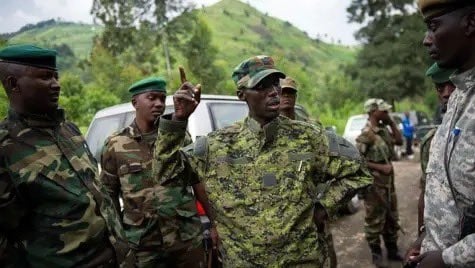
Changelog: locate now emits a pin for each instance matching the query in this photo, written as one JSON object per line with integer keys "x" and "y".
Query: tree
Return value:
{"x": 147, "y": 22}
{"x": 201, "y": 57}
{"x": 392, "y": 62}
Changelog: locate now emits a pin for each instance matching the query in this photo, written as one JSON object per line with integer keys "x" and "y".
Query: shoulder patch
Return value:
{"x": 338, "y": 146}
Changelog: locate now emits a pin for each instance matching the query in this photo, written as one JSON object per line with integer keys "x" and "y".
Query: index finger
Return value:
{"x": 182, "y": 74}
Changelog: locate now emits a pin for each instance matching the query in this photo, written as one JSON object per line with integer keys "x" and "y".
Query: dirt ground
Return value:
{"x": 350, "y": 244}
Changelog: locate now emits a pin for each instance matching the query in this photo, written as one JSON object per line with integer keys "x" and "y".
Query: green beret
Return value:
{"x": 435, "y": 8}
{"x": 251, "y": 71}
{"x": 149, "y": 84}
{"x": 439, "y": 75}
{"x": 29, "y": 55}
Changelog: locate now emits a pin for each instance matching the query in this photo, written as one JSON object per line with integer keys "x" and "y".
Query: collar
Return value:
{"x": 464, "y": 81}
{"x": 134, "y": 132}
{"x": 268, "y": 131}
{"x": 50, "y": 120}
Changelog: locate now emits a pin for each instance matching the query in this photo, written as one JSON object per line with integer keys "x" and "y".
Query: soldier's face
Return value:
{"x": 149, "y": 105}
{"x": 287, "y": 98}
{"x": 263, "y": 100}
{"x": 38, "y": 90}
{"x": 447, "y": 38}
{"x": 444, "y": 91}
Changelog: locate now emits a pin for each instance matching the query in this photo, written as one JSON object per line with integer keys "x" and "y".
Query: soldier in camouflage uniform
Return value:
{"x": 376, "y": 144}
{"x": 449, "y": 213}
{"x": 54, "y": 212}
{"x": 159, "y": 217}
{"x": 444, "y": 88}
{"x": 288, "y": 97}
{"x": 272, "y": 182}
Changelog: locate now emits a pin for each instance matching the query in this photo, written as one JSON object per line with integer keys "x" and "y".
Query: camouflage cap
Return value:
{"x": 373, "y": 104}
{"x": 439, "y": 75}
{"x": 433, "y": 8}
{"x": 29, "y": 55}
{"x": 288, "y": 83}
{"x": 251, "y": 71}
{"x": 148, "y": 84}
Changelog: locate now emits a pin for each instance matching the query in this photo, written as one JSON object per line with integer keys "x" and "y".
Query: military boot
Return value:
{"x": 377, "y": 256}
{"x": 393, "y": 252}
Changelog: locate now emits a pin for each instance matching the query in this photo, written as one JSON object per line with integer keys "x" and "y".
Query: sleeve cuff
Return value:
{"x": 168, "y": 125}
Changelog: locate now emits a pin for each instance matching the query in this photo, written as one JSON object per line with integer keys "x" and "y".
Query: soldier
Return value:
{"x": 288, "y": 97}
{"x": 444, "y": 88}
{"x": 159, "y": 218}
{"x": 272, "y": 182}
{"x": 450, "y": 181}
{"x": 376, "y": 144}
{"x": 54, "y": 212}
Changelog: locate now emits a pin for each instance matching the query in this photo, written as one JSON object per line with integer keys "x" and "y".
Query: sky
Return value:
{"x": 313, "y": 16}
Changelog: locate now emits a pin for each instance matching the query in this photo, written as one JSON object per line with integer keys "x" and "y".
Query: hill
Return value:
{"x": 239, "y": 31}
{"x": 51, "y": 33}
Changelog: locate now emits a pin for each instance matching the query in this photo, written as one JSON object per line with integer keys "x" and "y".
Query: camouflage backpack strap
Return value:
{"x": 338, "y": 146}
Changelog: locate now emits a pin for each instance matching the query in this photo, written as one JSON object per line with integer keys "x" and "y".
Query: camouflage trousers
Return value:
{"x": 381, "y": 215}
{"x": 193, "y": 257}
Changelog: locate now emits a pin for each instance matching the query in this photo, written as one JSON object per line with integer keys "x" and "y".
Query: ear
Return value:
{"x": 134, "y": 102}
{"x": 240, "y": 94}
{"x": 11, "y": 84}
{"x": 470, "y": 23}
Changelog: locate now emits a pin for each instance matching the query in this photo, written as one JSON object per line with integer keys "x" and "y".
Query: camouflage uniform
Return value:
{"x": 452, "y": 151}
{"x": 425, "y": 148}
{"x": 262, "y": 184}
{"x": 159, "y": 218}
{"x": 54, "y": 212}
{"x": 376, "y": 145}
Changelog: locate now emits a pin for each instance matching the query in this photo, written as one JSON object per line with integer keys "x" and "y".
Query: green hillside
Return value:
{"x": 77, "y": 36}
{"x": 240, "y": 30}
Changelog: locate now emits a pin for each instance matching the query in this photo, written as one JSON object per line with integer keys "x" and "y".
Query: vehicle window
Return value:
{"x": 358, "y": 124}
{"x": 225, "y": 114}
{"x": 102, "y": 128}
{"x": 129, "y": 118}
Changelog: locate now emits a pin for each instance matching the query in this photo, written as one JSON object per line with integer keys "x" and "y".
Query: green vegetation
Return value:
{"x": 97, "y": 64}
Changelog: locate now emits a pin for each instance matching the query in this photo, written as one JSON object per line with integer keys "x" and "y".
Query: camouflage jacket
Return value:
{"x": 154, "y": 213}
{"x": 53, "y": 210}
{"x": 262, "y": 184}
{"x": 425, "y": 148}
{"x": 454, "y": 141}
{"x": 376, "y": 145}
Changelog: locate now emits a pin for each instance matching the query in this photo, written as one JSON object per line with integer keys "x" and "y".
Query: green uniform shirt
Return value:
{"x": 53, "y": 208}
{"x": 154, "y": 214}
{"x": 262, "y": 184}
{"x": 376, "y": 144}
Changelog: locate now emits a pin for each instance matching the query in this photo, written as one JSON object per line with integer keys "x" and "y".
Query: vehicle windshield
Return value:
{"x": 358, "y": 124}
{"x": 225, "y": 114}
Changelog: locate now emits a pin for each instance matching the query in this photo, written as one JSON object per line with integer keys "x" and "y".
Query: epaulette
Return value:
{"x": 338, "y": 146}
{"x": 232, "y": 129}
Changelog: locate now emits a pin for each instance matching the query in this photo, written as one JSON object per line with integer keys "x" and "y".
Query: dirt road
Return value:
{"x": 350, "y": 244}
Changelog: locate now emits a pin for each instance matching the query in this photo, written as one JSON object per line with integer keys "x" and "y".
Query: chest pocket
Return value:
{"x": 132, "y": 176}
{"x": 296, "y": 180}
